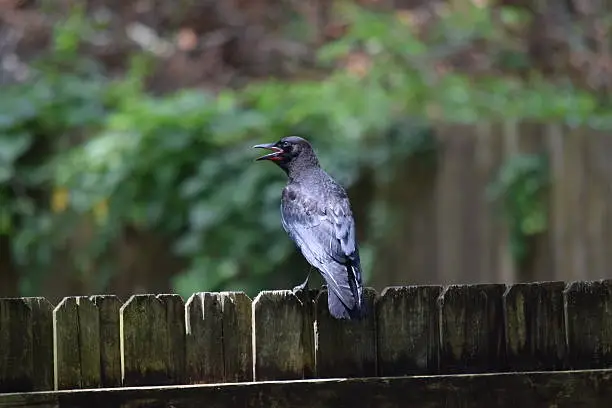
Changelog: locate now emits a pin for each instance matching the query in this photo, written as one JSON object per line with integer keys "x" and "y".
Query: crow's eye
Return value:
{"x": 284, "y": 145}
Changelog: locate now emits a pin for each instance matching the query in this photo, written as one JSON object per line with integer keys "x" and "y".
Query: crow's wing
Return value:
{"x": 325, "y": 233}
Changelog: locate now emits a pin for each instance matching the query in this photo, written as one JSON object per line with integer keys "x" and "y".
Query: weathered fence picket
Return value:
{"x": 588, "y": 311}
{"x": 278, "y": 324}
{"x": 93, "y": 342}
{"x": 408, "y": 329}
{"x": 218, "y": 338}
{"x": 42, "y": 345}
{"x": 26, "y": 344}
{"x": 308, "y": 299}
{"x": 144, "y": 341}
{"x": 535, "y": 326}
{"x": 472, "y": 328}
{"x": 345, "y": 348}
{"x": 15, "y": 344}
{"x": 237, "y": 337}
{"x": 110, "y": 339}
{"x": 76, "y": 344}
{"x": 204, "y": 328}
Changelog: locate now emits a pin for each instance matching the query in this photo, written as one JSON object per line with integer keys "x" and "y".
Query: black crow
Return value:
{"x": 317, "y": 216}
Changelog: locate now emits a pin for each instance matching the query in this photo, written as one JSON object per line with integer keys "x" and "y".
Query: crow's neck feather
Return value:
{"x": 300, "y": 166}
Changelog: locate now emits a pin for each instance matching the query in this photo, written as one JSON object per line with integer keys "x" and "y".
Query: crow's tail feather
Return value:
{"x": 340, "y": 311}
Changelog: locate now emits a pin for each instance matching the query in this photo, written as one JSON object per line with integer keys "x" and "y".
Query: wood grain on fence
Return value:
{"x": 157, "y": 340}
{"x": 278, "y": 349}
{"x": 204, "y": 331}
{"x": 345, "y": 348}
{"x": 472, "y": 328}
{"x": 76, "y": 344}
{"x": 446, "y": 227}
{"x": 592, "y": 389}
{"x": 110, "y": 340}
{"x": 26, "y": 344}
{"x": 588, "y": 311}
{"x": 535, "y": 326}
{"x": 408, "y": 330}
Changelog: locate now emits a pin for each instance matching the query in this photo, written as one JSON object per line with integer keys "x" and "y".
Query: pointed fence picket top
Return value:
{"x": 42, "y": 336}
{"x": 16, "y": 345}
{"x": 218, "y": 341}
{"x": 76, "y": 344}
{"x": 204, "y": 325}
{"x": 279, "y": 352}
{"x": 152, "y": 340}
{"x": 26, "y": 345}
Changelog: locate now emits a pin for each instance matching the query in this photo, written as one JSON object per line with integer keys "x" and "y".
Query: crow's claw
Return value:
{"x": 302, "y": 286}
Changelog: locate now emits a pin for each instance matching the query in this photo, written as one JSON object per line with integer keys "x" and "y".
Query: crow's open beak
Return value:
{"x": 276, "y": 151}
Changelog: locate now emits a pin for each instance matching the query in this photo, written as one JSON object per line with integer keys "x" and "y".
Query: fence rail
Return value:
{"x": 94, "y": 342}
{"x": 560, "y": 389}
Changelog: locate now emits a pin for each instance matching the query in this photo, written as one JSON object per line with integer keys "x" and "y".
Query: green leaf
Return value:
{"x": 12, "y": 146}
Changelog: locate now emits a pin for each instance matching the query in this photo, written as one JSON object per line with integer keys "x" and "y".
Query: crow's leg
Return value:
{"x": 304, "y": 285}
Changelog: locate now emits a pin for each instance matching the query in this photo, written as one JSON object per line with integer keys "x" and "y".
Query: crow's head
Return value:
{"x": 288, "y": 152}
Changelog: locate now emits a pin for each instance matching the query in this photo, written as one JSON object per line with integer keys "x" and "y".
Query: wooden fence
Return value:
{"x": 447, "y": 229}
{"x": 93, "y": 342}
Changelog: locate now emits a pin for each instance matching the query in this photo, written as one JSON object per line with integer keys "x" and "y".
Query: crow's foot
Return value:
{"x": 303, "y": 286}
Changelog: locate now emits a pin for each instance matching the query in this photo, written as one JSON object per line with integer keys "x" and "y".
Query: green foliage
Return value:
{"x": 78, "y": 148}
{"x": 403, "y": 67}
{"x": 521, "y": 187}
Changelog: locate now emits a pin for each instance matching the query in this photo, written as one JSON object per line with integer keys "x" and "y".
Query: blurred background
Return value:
{"x": 473, "y": 137}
